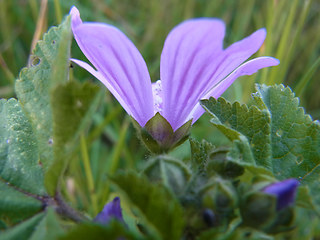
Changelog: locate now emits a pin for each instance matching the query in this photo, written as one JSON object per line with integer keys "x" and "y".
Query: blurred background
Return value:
{"x": 293, "y": 28}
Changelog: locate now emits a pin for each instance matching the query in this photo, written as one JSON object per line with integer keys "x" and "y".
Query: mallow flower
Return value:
{"x": 194, "y": 66}
{"x": 267, "y": 206}
{"x": 285, "y": 192}
{"x": 111, "y": 210}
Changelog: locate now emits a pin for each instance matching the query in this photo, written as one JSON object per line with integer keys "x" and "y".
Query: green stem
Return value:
{"x": 275, "y": 75}
{"x": 116, "y": 156}
{"x": 119, "y": 147}
{"x": 300, "y": 88}
{"x": 34, "y": 9}
{"x": 58, "y": 10}
{"x": 7, "y": 71}
{"x": 99, "y": 129}
{"x": 88, "y": 171}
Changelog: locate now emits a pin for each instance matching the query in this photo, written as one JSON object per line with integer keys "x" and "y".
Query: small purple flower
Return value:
{"x": 193, "y": 66}
{"x": 111, "y": 210}
{"x": 285, "y": 191}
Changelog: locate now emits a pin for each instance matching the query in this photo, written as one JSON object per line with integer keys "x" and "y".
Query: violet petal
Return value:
{"x": 285, "y": 191}
{"x": 248, "y": 68}
{"x": 99, "y": 76}
{"x": 119, "y": 64}
{"x": 193, "y": 61}
{"x": 185, "y": 65}
{"x": 111, "y": 210}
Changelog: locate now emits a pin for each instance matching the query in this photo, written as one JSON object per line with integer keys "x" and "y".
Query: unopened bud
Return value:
{"x": 111, "y": 210}
{"x": 285, "y": 192}
{"x": 209, "y": 217}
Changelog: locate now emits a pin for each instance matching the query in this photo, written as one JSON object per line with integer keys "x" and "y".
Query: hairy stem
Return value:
{"x": 63, "y": 209}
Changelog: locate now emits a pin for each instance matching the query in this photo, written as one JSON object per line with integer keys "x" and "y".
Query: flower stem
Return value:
{"x": 88, "y": 171}
{"x": 66, "y": 211}
{"x": 119, "y": 147}
{"x": 99, "y": 129}
{"x": 57, "y": 9}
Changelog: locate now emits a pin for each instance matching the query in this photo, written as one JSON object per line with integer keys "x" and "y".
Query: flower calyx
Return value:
{"x": 158, "y": 135}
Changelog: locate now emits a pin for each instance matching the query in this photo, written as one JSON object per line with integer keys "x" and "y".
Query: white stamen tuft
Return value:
{"x": 157, "y": 96}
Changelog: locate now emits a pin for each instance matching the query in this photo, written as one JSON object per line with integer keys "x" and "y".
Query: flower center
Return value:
{"x": 157, "y": 96}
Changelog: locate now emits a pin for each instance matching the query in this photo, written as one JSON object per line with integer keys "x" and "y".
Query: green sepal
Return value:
{"x": 220, "y": 196}
{"x": 219, "y": 163}
{"x": 158, "y": 135}
{"x": 284, "y": 221}
{"x": 259, "y": 210}
{"x": 172, "y": 172}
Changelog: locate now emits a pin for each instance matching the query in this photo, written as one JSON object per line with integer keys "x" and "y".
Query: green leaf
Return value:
{"x": 48, "y": 228}
{"x": 113, "y": 231}
{"x": 48, "y": 66}
{"x": 303, "y": 198}
{"x": 21, "y": 173}
{"x": 23, "y": 230}
{"x": 58, "y": 112}
{"x": 199, "y": 154}
{"x": 295, "y": 137}
{"x": 15, "y": 205}
{"x": 44, "y": 225}
{"x": 19, "y": 156}
{"x": 238, "y": 122}
{"x": 3, "y": 225}
{"x": 73, "y": 105}
{"x": 221, "y": 164}
{"x": 212, "y": 161}
{"x": 38, "y": 133}
{"x": 160, "y": 213}
{"x": 241, "y": 152}
{"x": 278, "y": 134}
{"x": 307, "y": 225}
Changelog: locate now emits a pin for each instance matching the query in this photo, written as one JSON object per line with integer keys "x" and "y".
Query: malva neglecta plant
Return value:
{"x": 263, "y": 184}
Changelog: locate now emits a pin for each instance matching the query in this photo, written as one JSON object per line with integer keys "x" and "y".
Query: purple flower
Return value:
{"x": 193, "y": 66}
{"x": 111, "y": 210}
{"x": 285, "y": 191}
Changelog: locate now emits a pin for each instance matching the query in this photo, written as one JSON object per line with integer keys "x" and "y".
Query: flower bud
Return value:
{"x": 171, "y": 172}
{"x": 285, "y": 192}
{"x": 209, "y": 217}
{"x": 258, "y": 210}
{"x": 111, "y": 210}
{"x": 221, "y": 197}
{"x": 268, "y": 207}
